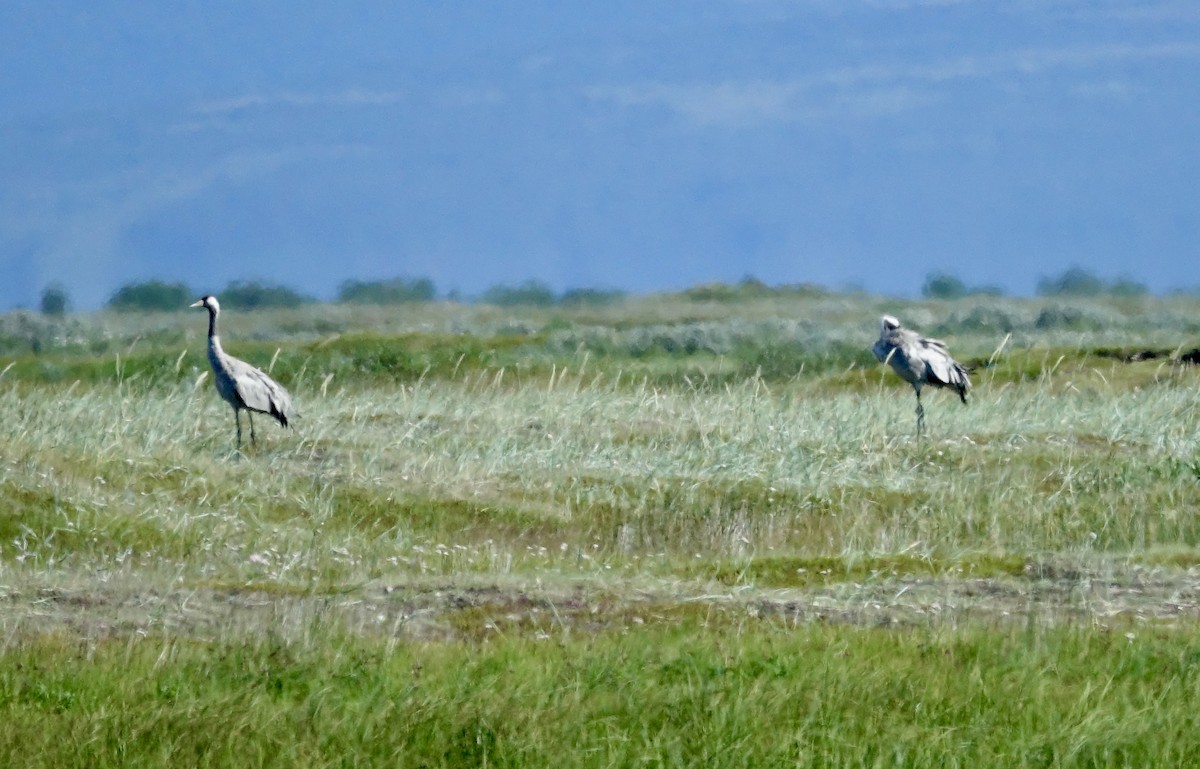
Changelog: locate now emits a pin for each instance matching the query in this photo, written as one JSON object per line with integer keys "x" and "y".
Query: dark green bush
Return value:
{"x": 1127, "y": 287}
{"x": 55, "y": 300}
{"x": 591, "y": 297}
{"x": 748, "y": 287}
{"x": 942, "y": 285}
{"x": 531, "y": 293}
{"x": 1074, "y": 281}
{"x": 150, "y": 296}
{"x": 1077, "y": 281}
{"x": 244, "y": 295}
{"x": 394, "y": 291}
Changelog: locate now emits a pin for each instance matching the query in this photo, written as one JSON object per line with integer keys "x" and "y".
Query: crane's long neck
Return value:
{"x": 214, "y": 341}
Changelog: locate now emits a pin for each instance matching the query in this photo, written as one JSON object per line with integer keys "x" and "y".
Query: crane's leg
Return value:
{"x": 920, "y": 415}
{"x": 250, "y": 416}
{"x": 238, "y": 421}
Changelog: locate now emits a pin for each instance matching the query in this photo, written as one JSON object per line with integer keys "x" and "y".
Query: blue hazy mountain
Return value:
{"x": 639, "y": 145}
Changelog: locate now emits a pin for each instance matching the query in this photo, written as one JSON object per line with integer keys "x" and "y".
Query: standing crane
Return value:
{"x": 241, "y": 385}
{"x": 919, "y": 361}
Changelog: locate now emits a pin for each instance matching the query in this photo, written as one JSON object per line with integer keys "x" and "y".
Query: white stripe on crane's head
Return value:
{"x": 889, "y": 322}
{"x": 208, "y": 302}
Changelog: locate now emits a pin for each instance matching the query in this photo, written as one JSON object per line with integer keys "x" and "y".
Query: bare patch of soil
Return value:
{"x": 462, "y": 610}
{"x": 1191, "y": 357}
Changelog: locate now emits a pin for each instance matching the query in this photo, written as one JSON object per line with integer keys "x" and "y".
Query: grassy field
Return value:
{"x": 669, "y": 532}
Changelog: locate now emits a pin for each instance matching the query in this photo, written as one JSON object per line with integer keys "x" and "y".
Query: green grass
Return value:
{"x": 716, "y": 692}
{"x": 674, "y": 532}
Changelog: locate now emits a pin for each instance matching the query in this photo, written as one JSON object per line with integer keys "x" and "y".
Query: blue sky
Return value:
{"x": 641, "y": 145}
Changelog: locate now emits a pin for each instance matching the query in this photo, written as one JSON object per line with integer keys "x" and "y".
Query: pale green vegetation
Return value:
{"x": 660, "y": 531}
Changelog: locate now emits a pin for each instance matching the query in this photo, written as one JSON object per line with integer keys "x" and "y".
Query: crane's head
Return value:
{"x": 207, "y": 302}
{"x": 887, "y": 323}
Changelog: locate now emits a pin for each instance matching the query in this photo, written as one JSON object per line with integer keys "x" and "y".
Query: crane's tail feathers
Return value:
{"x": 953, "y": 377}
{"x": 280, "y": 415}
{"x": 961, "y": 382}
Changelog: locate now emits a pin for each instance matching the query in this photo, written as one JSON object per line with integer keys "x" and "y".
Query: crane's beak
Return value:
{"x": 199, "y": 303}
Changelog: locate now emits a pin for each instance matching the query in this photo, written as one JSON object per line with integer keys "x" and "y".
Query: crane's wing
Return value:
{"x": 262, "y": 393}
{"x": 943, "y": 370}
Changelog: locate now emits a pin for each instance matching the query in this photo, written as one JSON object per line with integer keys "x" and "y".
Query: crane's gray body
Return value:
{"x": 243, "y": 386}
{"x": 919, "y": 361}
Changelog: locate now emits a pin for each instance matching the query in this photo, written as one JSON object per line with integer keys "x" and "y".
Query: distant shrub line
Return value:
{"x": 1072, "y": 282}
{"x": 161, "y": 296}
{"x": 1077, "y": 281}
{"x": 395, "y": 291}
